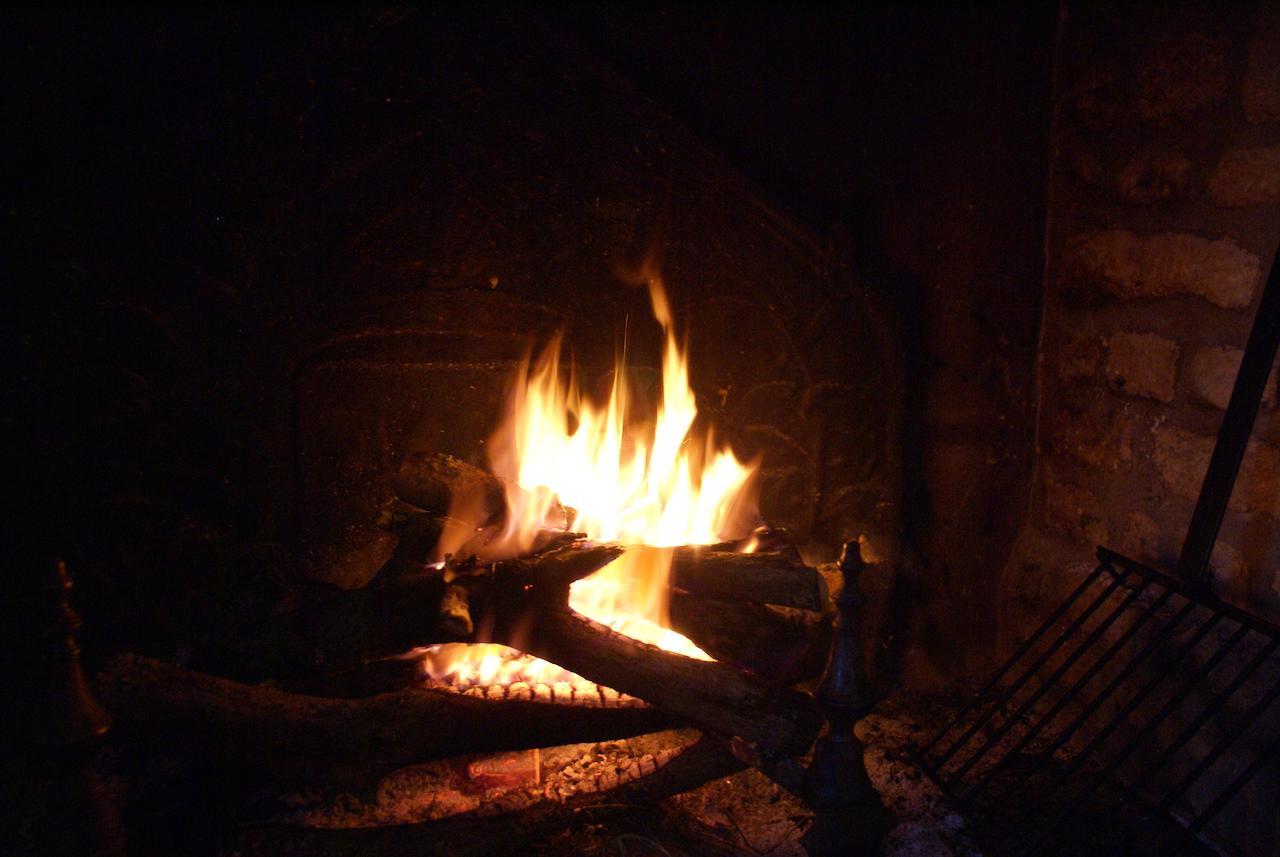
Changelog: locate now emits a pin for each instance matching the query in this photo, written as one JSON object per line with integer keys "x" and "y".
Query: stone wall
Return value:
{"x": 1164, "y": 217}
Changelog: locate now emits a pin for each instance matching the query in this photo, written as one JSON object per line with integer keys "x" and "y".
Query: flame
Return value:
{"x": 651, "y": 483}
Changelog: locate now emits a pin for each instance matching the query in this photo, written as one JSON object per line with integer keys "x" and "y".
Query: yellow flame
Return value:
{"x": 653, "y": 484}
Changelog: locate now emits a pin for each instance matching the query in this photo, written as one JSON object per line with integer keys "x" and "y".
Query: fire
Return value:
{"x": 652, "y": 482}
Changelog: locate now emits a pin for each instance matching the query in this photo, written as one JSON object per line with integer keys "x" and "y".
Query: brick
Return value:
{"x": 1154, "y": 176}
{"x": 1075, "y": 511}
{"x": 1247, "y": 177}
{"x": 1130, "y": 266}
{"x": 1182, "y": 458}
{"x": 1211, "y": 375}
{"x": 1261, "y": 90}
{"x": 1182, "y": 74}
{"x": 1142, "y": 364}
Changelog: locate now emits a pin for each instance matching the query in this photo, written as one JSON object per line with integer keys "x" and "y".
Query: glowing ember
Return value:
{"x": 654, "y": 483}
{"x": 466, "y": 666}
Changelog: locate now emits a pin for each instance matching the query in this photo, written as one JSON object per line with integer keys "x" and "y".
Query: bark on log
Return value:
{"x": 293, "y": 740}
{"x": 434, "y": 481}
{"x": 473, "y": 836}
{"x": 783, "y": 645}
{"x": 776, "y": 577}
{"x": 713, "y": 696}
{"x": 347, "y": 627}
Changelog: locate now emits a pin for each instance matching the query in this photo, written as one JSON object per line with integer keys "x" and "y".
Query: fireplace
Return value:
{"x": 934, "y": 304}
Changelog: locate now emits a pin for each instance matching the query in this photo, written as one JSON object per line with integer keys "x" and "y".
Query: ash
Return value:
{"x": 745, "y": 814}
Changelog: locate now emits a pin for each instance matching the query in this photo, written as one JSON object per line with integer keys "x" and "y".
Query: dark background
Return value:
{"x": 914, "y": 138}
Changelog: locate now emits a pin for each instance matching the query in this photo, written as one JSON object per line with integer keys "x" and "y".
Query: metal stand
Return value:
{"x": 849, "y": 818}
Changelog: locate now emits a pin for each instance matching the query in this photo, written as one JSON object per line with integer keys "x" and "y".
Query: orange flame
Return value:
{"x": 652, "y": 484}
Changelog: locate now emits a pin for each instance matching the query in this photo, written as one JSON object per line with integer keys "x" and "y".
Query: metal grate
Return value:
{"x": 1140, "y": 700}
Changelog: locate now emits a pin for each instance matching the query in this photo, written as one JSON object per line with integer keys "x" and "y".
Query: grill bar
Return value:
{"x": 1168, "y": 658}
{"x": 1027, "y": 674}
{"x": 1067, "y": 697}
{"x": 1048, "y": 683}
{"x": 1019, "y": 653}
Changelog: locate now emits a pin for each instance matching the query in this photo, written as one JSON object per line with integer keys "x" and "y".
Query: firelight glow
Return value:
{"x": 651, "y": 482}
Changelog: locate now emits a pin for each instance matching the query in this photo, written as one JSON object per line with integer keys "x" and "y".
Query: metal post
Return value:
{"x": 848, "y": 816}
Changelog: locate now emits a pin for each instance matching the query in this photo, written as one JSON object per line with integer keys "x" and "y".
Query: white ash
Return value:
{"x": 437, "y": 790}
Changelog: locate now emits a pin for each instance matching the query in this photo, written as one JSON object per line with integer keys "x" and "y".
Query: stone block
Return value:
{"x": 1261, "y": 90}
{"x": 1247, "y": 177}
{"x": 1230, "y": 568}
{"x": 1074, "y": 510}
{"x": 1211, "y": 375}
{"x": 1142, "y": 364}
{"x": 1182, "y": 458}
{"x": 1129, "y": 266}
{"x": 1181, "y": 74}
{"x": 1080, "y": 359}
{"x": 1140, "y": 538}
{"x": 1100, "y": 435}
{"x": 1154, "y": 176}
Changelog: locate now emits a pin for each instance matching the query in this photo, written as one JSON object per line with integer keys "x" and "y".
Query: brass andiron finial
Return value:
{"x": 848, "y": 816}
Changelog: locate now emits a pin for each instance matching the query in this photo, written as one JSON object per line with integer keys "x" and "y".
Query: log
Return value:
{"x": 387, "y": 675}
{"x": 455, "y": 611}
{"x": 782, "y": 645}
{"x": 291, "y": 740}
{"x": 713, "y": 696}
{"x": 513, "y": 833}
{"x": 347, "y": 627}
{"x": 774, "y": 577}
{"x": 434, "y": 481}
{"x": 437, "y": 484}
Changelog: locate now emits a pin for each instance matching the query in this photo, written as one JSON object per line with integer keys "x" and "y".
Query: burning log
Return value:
{"x": 782, "y": 644}
{"x": 394, "y": 615}
{"x": 288, "y": 739}
{"x": 455, "y": 611}
{"x": 776, "y": 577}
{"x": 582, "y": 693}
{"x": 466, "y": 835}
{"x": 434, "y": 481}
{"x": 711, "y": 695}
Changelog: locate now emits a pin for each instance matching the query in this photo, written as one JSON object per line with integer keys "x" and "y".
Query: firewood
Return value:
{"x": 292, "y": 740}
{"x": 386, "y": 675}
{"x": 775, "y": 577}
{"x": 455, "y": 611}
{"x": 782, "y": 645}
{"x": 438, "y": 484}
{"x": 347, "y": 627}
{"x": 471, "y": 834}
{"x": 434, "y": 481}
{"x": 713, "y": 696}
{"x": 583, "y": 693}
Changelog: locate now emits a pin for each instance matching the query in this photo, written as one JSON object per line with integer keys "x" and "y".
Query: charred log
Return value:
{"x": 348, "y": 627}
{"x": 435, "y": 483}
{"x": 776, "y": 577}
{"x": 783, "y": 645}
{"x": 455, "y": 611}
{"x": 711, "y": 695}
{"x": 292, "y": 740}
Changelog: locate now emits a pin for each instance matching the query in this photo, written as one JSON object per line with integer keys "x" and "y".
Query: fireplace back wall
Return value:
{"x": 341, "y": 234}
